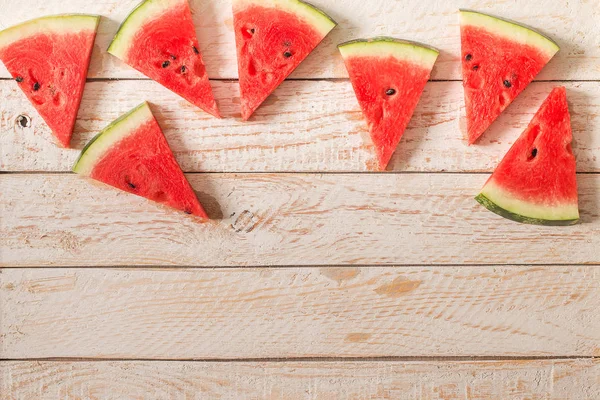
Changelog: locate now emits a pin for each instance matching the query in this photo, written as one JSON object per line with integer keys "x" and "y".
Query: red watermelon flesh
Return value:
{"x": 499, "y": 59}
{"x": 388, "y": 76}
{"x": 536, "y": 182}
{"x": 133, "y": 155}
{"x": 49, "y": 58}
{"x": 158, "y": 39}
{"x": 272, "y": 38}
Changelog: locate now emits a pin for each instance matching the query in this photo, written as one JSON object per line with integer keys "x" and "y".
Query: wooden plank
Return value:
{"x": 536, "y": 380}
{"x": 572, "y": 24}
{"x": 300, "y": 312}
{"x": 305, "y": 126}
{"x": 283, "y": 219}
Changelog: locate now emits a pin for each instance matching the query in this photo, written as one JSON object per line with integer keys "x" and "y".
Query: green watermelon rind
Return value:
{"x": 519, "y": 217}
{"x": 511, "y": 30}
{"x": 53, "y": 23}
{"x": 388, "y": 46}
{"x": 137, "y": 18}
{"x": 113, "y": 133}
{"x": 302, "y": 9}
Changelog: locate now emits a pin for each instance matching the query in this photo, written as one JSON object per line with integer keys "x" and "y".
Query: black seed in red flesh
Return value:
{"x": 248, "y": 32}
{"x": 469, "y": 57}
{"x": 36, "y": 86}
{"x": 183, "y": 69}
{"x": 129, "y": 183}
{"x": 507, "y": 83}
{"x": 187, "y": 211}
{"x": 532, "y": 154}
{"x": 165, "y": 64}
{"x": 390, "y": 92}
{"x": 475, "y": 67}
{"x": 195, "y": 50}
{"x": 287, "y": 54}
{"x": 173, "y": 57}
{"x": 19, "y": 79}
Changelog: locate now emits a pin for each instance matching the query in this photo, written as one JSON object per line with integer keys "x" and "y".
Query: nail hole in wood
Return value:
{"x": 23, "y": 121}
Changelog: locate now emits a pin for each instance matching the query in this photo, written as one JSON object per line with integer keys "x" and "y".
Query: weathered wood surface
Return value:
{"x": 300, "y": 312}
{"x": 283, "y": 219}
{"x": 427, "y": 303}
{"x": 483, "y": 380}
{"x": 305, "y": 126}
{"x": 572, "y": 24}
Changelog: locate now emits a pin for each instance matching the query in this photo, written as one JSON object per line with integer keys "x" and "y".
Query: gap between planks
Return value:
{"x": 145, "y": 267}
{"x": 232, "y": 79}
{"x": 306, "y": 359}
{"x": 297, "y": 173}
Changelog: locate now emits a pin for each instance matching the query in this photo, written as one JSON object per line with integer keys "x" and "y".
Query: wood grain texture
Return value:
{"x": 572, "y": 24}
{"x": 300, "y": 312}
{"x": 304, "y": 126}
{"x": 535, "y": 380}
{"x": 283, "y": 219}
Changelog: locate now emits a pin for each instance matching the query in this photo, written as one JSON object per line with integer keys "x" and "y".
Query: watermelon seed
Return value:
{"x": 183, "y": 69}
{"x": 532, "y": 154}
{"x": 165, "y": 64}
{"x": 19, "y": 79}
{"x": 195, "y": 50}
{"x": 507, "y": 83}
{"x": 173, "y": 57}
{"x": 475, "y": 67}
{"x": 36, "y": 86}
{"x": 187, "y": 211}
{"x": 390, "y": 92}
{"x": 287, "y": 54}
{"x": 469, "y": 57}
{"x": 248, "y": 33}
{"x": 129, "y": 183}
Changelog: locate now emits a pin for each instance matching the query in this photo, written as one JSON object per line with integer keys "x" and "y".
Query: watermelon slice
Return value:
{"x": 158, "y": 39}
{"x": 49, "y": 59}
{"x": 535, "y": 182}
{"x": 133, "y": 155}
{"x": 272, "y": 38}
{"x": 499, "y": 59}
{"x": 388, "y": 76}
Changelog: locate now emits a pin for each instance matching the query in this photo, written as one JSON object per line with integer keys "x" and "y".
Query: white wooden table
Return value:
{"x": 315, "y": 279}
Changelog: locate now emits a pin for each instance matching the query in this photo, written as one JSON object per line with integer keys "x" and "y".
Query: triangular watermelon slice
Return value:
{"x": 535, "y": 182}
{"x": 49, "y": 59}
{"x": 158, "y": 39}
{"x": 272, "y": 38}
{"x": 388, "y": 76}
{"x": 499, "y": 59}
{"x": 133, "y": 155}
